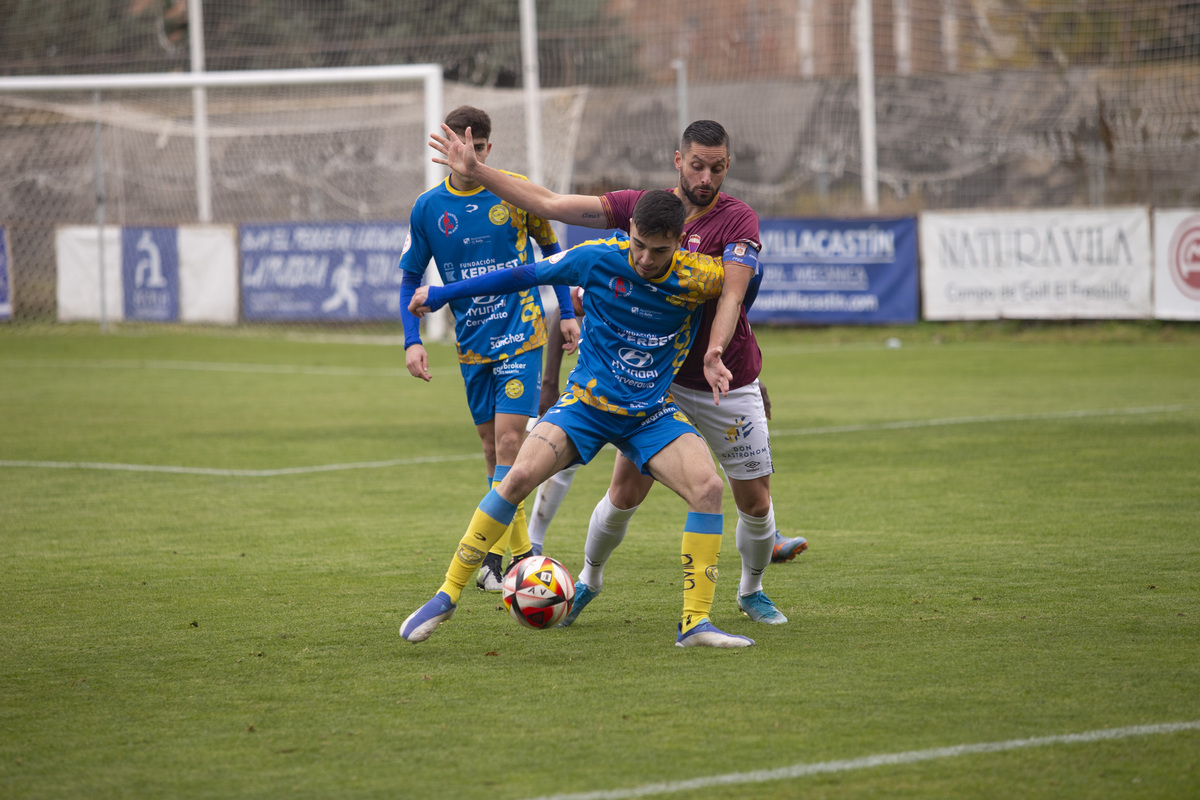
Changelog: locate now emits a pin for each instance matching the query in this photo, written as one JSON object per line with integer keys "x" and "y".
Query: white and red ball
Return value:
{"x": 538, "y": 592}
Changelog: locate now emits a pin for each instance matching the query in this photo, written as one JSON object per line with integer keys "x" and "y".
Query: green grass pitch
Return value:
{"x": 209, "y": 539}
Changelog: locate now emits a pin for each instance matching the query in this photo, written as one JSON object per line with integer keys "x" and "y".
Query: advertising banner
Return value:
{"x": 321, "y": 271}
{"x": 838, "y": 272}
{"x": 1177, "y": 264}
{"x": 5, "y": 280}
{"x": 150, "y": 274}
{"x": 1037, "y": 264}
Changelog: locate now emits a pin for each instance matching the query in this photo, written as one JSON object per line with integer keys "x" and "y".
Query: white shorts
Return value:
{"x": 736, "y": 430}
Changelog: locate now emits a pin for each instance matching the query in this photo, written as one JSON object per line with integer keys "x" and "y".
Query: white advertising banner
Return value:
{"x": 1037, "y": 264}
{"x": 1177, "y": 264}
{"x": 163, "y": 274}
{"x": 208, "y": 274}
{"x": 77, "y": 253}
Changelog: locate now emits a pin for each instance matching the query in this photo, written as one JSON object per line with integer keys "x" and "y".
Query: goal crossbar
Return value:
{"x": 429, "y": 74}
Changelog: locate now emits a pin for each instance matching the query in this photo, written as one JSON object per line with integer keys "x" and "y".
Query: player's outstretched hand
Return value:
{"x": 418, "y": 305}
{"x": 457, "y": 154}
{"x": 570, "y": 333}
{"x": 717, "y": 374}
{"x": 417, "y": 361}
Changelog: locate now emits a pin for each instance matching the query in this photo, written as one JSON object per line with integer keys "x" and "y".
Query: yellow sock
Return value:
{"x": 516, "y": 538}
{"x": 518, "y": 532}
{"x": 488, "y": 524}
{"x": 700, "y": 551}
{"x": 502, "y": 543}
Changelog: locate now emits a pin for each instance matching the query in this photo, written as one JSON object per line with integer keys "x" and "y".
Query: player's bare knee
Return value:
{"x": 708, "y": 489}
{"x": 626, "y": 494}
{"x": 508, "y": 444}
{"x": 753, "y": 497}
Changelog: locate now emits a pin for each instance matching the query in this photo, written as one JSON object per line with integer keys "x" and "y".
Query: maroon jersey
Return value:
{"x": 725, "y": 221}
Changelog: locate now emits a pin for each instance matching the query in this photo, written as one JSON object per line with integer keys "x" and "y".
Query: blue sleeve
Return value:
{"x": 566, "y": 308}
{"x": 745, "y": 252}
{"x": 409, "y": 282}
{"x": 502, "y": 281}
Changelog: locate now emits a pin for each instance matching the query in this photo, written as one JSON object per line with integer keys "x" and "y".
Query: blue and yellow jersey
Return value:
{"x": 639, "y": 331}
{"x": 472, "y": 233}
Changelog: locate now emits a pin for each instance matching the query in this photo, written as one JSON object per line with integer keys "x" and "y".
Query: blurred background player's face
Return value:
{"x": 701, "y": 172}
{"x": 651, "y": 255}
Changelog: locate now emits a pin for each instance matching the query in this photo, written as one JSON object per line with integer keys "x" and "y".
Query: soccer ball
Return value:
{"x": 538, "y": 592}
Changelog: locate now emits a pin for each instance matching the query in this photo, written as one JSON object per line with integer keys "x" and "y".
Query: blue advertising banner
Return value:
{"x": 5, "y": 283}
{"x": 838, "y": 272}
{"x": 150, "y": 273}
{"x": 577, "y": 234}
{"x": 322, "y": 271}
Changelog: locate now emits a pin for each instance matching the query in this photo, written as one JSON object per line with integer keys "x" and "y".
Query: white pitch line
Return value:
{"x": 239, "y": 473}
{"x": 868, "y": 762}
{"x": 269, "y": 473}
{"x": 934, "y": 423}
{"x": 219, "y": 366}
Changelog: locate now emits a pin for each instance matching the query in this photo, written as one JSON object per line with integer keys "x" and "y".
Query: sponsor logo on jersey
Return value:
{"x": 498, "y": 214}
{"x": 407, "y": 242}
{"x": 557, "y": 256}
{"x": 448, "y": 223}
{"x": 635, "y": 358}
{"x": 514, "y": 389}
{"x": 507, "y": 339}
{"x": 693, "y": 243}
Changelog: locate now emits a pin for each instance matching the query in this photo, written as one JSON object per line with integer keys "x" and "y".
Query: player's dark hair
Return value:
{"x": 705, "y": 133}
{"x": 471, "y": 117}
{"x": 659, "y": 212}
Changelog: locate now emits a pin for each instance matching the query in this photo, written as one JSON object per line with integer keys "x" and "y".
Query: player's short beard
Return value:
{"x": 694, "y": 198}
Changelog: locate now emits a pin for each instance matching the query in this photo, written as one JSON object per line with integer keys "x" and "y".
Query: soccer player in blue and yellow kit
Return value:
{"x": 468, "y": 231}
{"x": 643, "y": 300}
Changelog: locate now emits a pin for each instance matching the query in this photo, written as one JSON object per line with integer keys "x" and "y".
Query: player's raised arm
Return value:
{"x": 574, "y": 209}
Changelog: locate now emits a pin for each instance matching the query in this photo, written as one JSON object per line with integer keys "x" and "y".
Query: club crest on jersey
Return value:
{"x": 620, "y": 287}
{"x": 448, "y": 223}
{"x": 693, "y": 243}
{"x": 498, "y": 214}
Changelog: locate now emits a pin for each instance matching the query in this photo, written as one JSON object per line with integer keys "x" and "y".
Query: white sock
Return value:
{"x": 755, "y": 538}
{"x": 606, "y": 529}
{"x": 549, "y": 497}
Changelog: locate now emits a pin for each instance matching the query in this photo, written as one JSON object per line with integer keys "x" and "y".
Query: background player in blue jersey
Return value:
{"x": 469, "y": 231}
{"x": 643, "y": 301}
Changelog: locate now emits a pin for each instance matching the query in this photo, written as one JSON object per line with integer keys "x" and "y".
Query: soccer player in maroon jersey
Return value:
{"x": 717, "y": 387}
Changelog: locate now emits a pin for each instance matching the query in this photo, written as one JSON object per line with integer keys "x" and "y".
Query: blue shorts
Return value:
{"x": 511, "y": 386}
{"x": 639, "y": 438}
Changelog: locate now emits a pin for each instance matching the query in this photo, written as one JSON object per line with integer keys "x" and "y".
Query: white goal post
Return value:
{"x": 429, "y": 74}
